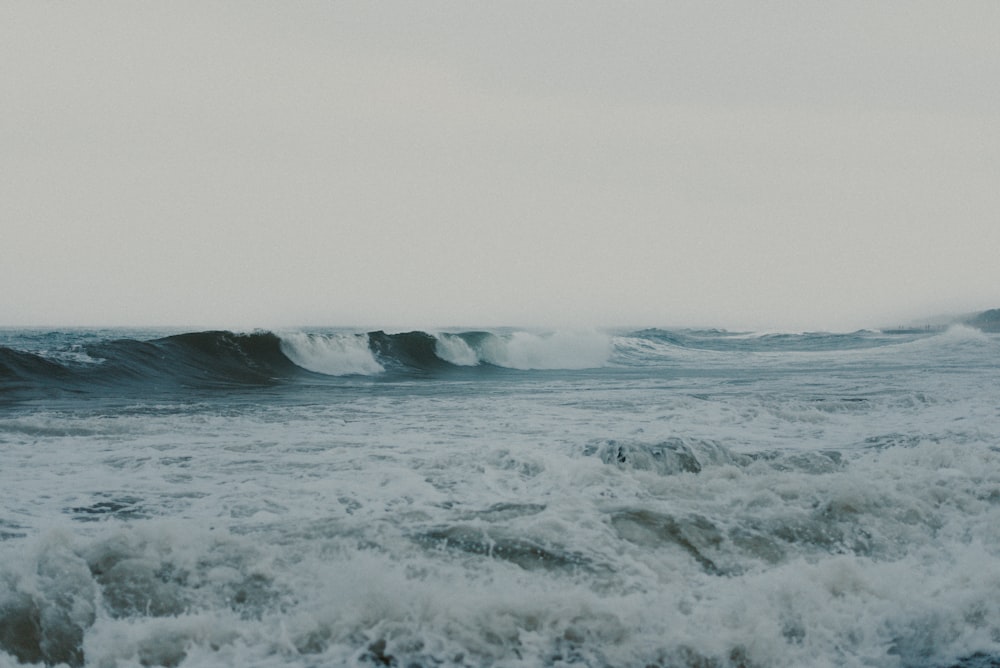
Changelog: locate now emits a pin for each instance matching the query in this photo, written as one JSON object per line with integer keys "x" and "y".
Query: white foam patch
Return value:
{"x": 307, "y": 591}
{"x": 640, "y": 351}
{"x": 963, "y": 333}
{"x": 73, "y": 355}
{"x": 556, "y": 350}
{"x": 331, "y": 354}
{"x": 454, "y": 349}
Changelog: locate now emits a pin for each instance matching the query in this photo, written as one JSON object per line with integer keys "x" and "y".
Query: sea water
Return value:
{"x": 499, "y": 498}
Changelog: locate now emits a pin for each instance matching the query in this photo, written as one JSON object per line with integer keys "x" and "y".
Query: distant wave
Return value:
{"x": 647, "y": 344}
{"x": 200, "y": 359}
{"x": 220, "y": 359}
{"x": 378, "y": 352}
{"x": 528, "y": 350}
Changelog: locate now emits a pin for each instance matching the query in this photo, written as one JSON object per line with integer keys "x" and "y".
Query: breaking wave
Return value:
{"x": 220, "y": 359}
{"x": 332, "y": 355}
{"x": 526, "y": 350}
{"x": 214, "y": 360}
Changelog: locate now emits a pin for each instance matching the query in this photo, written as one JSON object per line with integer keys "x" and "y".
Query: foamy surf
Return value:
{"x": 692, "y": 500}
{"x": 568, "y": 349}
{"x": 343, "y": 354}
{"x": 331, "y": 354}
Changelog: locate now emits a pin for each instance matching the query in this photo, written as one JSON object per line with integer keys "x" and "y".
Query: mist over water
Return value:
{"x": 500, "y": 498}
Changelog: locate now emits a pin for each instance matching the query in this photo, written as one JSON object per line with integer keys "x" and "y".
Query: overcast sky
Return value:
{"x": 818, "y": 165}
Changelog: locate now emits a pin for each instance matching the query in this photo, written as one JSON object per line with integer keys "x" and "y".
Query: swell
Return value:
{"x": 721, "y": 340}
{"x": 214, "y": 360}
{"x": 199, "y": 358}
{"x": 21, "y": 372}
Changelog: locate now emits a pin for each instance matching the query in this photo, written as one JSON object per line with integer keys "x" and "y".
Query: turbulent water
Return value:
{"x": 500, "y": 498}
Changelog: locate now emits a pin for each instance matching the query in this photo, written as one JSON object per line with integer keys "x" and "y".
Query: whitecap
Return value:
{"x": 331, "y": 354}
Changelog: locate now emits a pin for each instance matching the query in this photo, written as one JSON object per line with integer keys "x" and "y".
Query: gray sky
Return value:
{"x": 735, "y": 164}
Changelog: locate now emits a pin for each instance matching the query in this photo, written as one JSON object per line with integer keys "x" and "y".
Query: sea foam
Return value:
{"x": 555, "y": 350}
{"x": 331, "y": 354}
{"x": 696, "y": 501}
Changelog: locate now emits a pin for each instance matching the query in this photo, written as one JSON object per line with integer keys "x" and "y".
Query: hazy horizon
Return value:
{"x": 731, "y": 165}
{"x": 935, "y": 320}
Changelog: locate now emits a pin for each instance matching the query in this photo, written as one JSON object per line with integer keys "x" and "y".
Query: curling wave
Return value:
{"x": 194, "y": 360}
{"x": 220, "y": 359}
{"x": 378, "y": 352}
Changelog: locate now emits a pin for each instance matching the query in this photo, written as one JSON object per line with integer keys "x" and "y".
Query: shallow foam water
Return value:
{"x": 501, "y": 499}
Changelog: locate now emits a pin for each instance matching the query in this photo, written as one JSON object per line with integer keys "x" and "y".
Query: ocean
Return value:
{"x": 505, "y": 497}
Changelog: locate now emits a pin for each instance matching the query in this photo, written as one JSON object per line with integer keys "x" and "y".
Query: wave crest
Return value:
{"x": 454, "y": 349}
{"x": 331, "y": 354}
{"x": 556, "y": 350}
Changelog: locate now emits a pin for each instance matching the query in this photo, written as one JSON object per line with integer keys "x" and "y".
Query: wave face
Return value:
{"x": 196, "y": 360}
